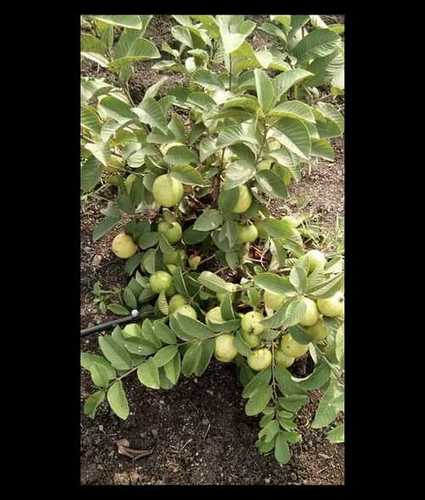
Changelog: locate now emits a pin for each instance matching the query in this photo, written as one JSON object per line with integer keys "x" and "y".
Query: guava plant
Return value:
{"x": 193, "y": 172}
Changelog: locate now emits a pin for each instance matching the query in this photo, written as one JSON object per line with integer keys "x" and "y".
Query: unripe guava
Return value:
{"x": 123, "y": 246}
{"x": 131, "y": 330}
{"x": 160, "y": 281}
{"x": 171, "y": 257}
{"x": 251, "y": 339}
{"x": 283, "y": 360}
{"x": 214, "y": 315}
{"x": 251, "y": 322}
{"x": 247, "y": 234}
{"x": 167, "y": 191}
{"x": 186, "y": 310}
{"x": 176, "y": 302}
{"x": 273, "y": 300}
{"x": 333, "y": 306}
{"x": 290, "y": 347}
{"x": 171, "y": 230}
{"x": 311, "y": 314}
{"x": 244, "y": 200}
{"x": 260, "y": 359}
{"x": 318, "y": 331}
{"x": 316, "y": 260}
{"x": 225, "y": 349}
{"x": 194, "y": 261}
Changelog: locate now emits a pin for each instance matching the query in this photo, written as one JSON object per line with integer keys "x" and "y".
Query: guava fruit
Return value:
{"x": 123, "y": 246}
{"x": 194, "y": 261}
{"x": 251, "y": 339}
{"x": 167, "y": 191}
{"x": 186, "y": 310}
{"x": 176, "y": 302}
{"x": 318, "y": 331}
{"x": 283, "y": 360}
{"x": 244, "y": 200}
{"x": 171, "y": 230}
{"x": 290, "y": 347}
{"x": 273, "y": 300}
{"x": 332, "y": 306}
{"x": 316, "y": 260}
{"x": 311, "y": 314}
{"x": 260, "y": 359}
{"x": 160, "y": 281}
{"x": 251, "y": 323}
{"x": 214, "y": 315}
{"x": 247, "y": 233}
{"x": 225, "y": 349}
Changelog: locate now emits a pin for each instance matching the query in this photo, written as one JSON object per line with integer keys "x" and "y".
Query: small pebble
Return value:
{"x": 267, "y": 480}
{"x": 154, "y": 433}
{"x": 293, "y": 476}
{"x": 205, "y": 421}
{"x": 101, "y": 428}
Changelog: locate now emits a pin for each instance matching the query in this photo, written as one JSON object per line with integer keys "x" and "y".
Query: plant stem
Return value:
{"x": 273, "y": 377}
{"x": 230, "y": 72}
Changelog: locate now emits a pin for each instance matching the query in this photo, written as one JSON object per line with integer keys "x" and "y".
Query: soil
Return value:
{"x": 198, "y": 432}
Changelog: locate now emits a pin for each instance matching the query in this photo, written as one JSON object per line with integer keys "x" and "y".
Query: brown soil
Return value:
{"x": 198, "y": 430}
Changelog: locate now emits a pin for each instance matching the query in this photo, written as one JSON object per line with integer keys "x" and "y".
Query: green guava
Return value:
{"x": 171, "y": 230}
{"x": 167, "y": 191}
{"x": 225, "y": 349}
{"x": 244, "y": 200}
{"x": 160, "y": 281}
{"x": 260, "y": 359}
{"x": 123, "y": 246}
{"x": 247, "y": 233}
{"x": 290, "y": 347}
{"x": 311, "y": 314}
{"x": 176, "y": 302}
{"x": 251, "y": 323}
{"x": 332, "y": 306}
{"x": 273, "y": 300}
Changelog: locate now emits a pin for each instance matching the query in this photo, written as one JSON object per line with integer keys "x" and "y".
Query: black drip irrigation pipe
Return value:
{"x": 111, "y": 324}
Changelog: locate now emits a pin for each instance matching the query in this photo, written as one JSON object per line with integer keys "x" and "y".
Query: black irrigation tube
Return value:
{"x": 110, "y": 324}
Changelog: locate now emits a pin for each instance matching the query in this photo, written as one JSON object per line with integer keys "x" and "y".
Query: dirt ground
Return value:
{"x": 198, "y": 431}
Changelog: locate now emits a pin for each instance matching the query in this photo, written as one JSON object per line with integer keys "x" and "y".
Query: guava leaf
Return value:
{"x": 117, "y": 400}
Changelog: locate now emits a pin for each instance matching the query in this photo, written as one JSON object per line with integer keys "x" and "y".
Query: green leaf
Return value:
{"x": 281, "y": 449}
{"x": 182, "y": 34}
{"x": 116, "y": 109}
{"x": 238, "y": 173}
{"x": 91, "y": 172}
{"x": 129, "y": 298}
{"x": 147, "y": 240}
{"x": 258, "y": 401}
{"x": 191, "y": 359}
{"x": 240, "y": 344}
{"x": 294, "y": 135}
{"x": 216, "y": 284}
{"x": 187, "y": 175}
{"x": 92, "y": 403}
{"x": 265, "y": 90}
{"x": 207, "y": 79}
{"x": 274, "y": 283}
{"x": 149, "y": 335}
{"x": 180, "y": 155}
{"x": 90, "y": 119}
{"x": 318, "y": 43}
{"x": 192, "y": 237}
{"x": 279, "y": 228}
{"x": 299, "y": 334}
{"x": 330, "y": 112}
{"x": 146, "y": 295}
{"x": 164, "y": 355}
{"x": 138, "y": 346}
{"x": 164, "y": 333}
{"x": 201, "y": 100}
{"x": 293, "y": 402}
{"x": 193, "y": 327}
{"x": 232, "y": 134}
{"x": 140, "y": 50}
{"x": 149, "y": 261}
{"x": 322, "y": 149}
{"x": 269, "y": 431}
{"x": 97, "y": 58}
{"x": 172, "y": 369}
{"x": 114, "y": 353}
{"x": 327, "y": 288}
{"x": 336, "y": 435}
{"x": 150, "y": 112}
{"x": 318, "y": 378}
{"x": 285, "y": 80}
{"x": 162, "y": 303}
{"x": 209, "y": 219}
{"x": 261, "y": 379}
{"x": 294, "y": 109}
{"x": 271, "y": 184}
{"x": 148, "y": 374}
{"x": 207, "y": 350}
{"x": 226, "y": 326}
{"x": 226, "y": 308}
{"x": 298, "y": 278}
{"x": 228, "y": 199}
{"x": 133, "y": 263}
{"x": 128, "y": 21}
{"x": 118, "y": 309}
{"x": 100, "y": 375}
{"x": 100, "y": 151}
{"x": 118, "y": 400}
